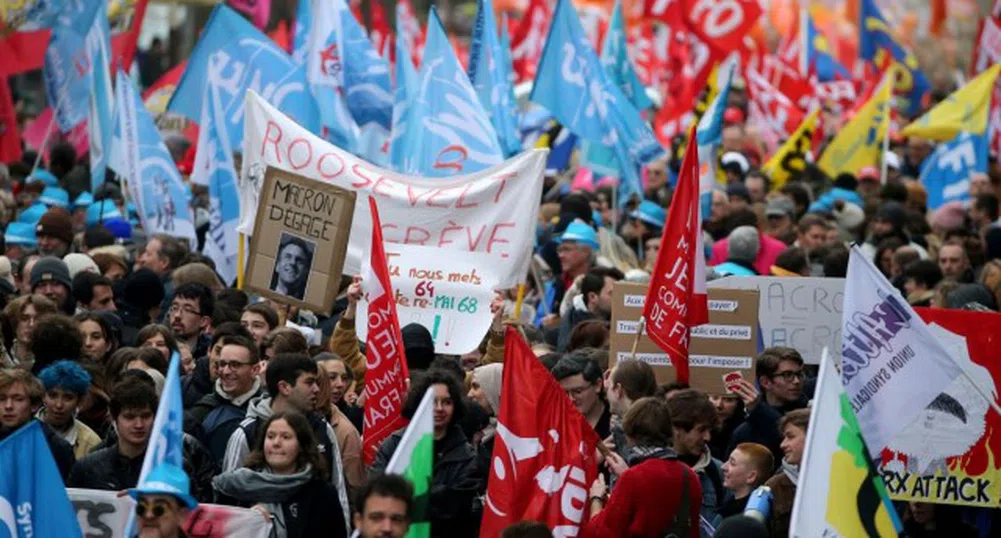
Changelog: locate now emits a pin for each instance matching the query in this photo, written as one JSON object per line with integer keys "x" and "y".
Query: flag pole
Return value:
{"x": 45, "y": 143}
{"x": 518, "y": 302}
{"x": 639, "y": 332}
{"x": 239, "y": 261}
{"x": 891, "y": 78}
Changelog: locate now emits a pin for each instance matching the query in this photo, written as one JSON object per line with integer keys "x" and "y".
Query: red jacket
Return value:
{"x": 645, "y": 500}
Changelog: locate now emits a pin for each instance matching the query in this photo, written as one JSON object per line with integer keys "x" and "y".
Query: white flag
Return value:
{"x": 891, "y": 365}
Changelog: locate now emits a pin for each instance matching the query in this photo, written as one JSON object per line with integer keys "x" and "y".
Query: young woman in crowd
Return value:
{"x": 19, "y": 318}
{"x": 286, "y": 480}
{"x": 333, "y": 382}
{"x": 98, "y": 344}
{"x": 158, "y": 337}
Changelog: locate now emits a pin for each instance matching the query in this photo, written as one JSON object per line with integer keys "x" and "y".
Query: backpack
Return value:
{"x": 219, "y": 424}
{"x": 680, "y": 526}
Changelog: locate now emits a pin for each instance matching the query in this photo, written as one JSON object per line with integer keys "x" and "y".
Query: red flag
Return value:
{"x": 411, "y": 30}
{"x": 780, "y": 115}
{"x": 386, "y": 367}
{"x": 280, "y": 35}
{"x": 259, "y": 11}
{"x": 544, "y": 454}
{"x": 380, "y": 33}
{"x": 721, "y": 25}
{"x": 10, "y": 138}
{"x": 676, "y": 300}
{"x": 23, "y": 51}
{"x": 527, "y": 41}
{"x": 125, "y": 33}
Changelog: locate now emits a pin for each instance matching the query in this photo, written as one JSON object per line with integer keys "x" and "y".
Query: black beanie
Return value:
{"x": 143, "y": 289}
{"x": 846, "y": 181}
{"x": 418, "y": 346}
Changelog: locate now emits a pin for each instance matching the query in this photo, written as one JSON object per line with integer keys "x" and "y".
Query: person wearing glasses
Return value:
{"x": 781, "y": 378}
{"x": 190, "y": 315}
{"x": 582, "y": 380}
{"x": 238, "y": 382}
{"x": 163, "y": 502}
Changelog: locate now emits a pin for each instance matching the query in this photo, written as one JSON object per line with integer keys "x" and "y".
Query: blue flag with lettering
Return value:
{"x": 300, "y": 35}
{"x": 946, "y": 172}
{"x": 448, "y": 131}
{"x": 139, "y": 156}
{"x": 100, "y": 120}
{"x": 406, "y": 90}
{"x": 490, "y": 74}
{"x": 709, "y": 135}
{"x": 68, "y": 66}
{"x": 875, "y": 34}
{"x": 237, "y": 57}
{"x": 615, "y": 59}
{"x": 33, "y": 500}
{"x": 573, "y": 85}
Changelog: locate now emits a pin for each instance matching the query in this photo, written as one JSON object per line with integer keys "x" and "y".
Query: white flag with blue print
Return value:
{"x": 448, "y": 131}
{"x": 577, "y": 90}
{"x": 100, "y": 120}
{"x": 144, "y": 162}
{"x": 405, "y": 93}
{"x": 490, "y": 74}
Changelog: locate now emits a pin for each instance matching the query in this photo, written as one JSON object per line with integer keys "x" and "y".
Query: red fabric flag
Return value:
{"x": 280, "y": 35}
{"x": 385, "y": 365}
{"x": 10, "y": 137}
{"x": 544, "y": 454}
{"x": 722, "y": 25}
{"x": 380, "y": 33}
{"x": 259, "y": 11}
{"x": 676, "y": 300}
{"x": 23, "y": 51}
{"x": 780, "y": 115}
{"x": 125, "y": 33}
{"x": 527, "y": 41}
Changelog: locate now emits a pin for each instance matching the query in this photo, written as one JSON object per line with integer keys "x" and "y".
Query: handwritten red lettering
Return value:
{"x": 456, "y": 164}
{"x": 309, "y": 149}
{"x": 357, "y": 169}
{"x": 494, "y": 239}
{"x": 384, "y": 182}
{"x": 452, "y": 227}
{"x": 462, "y": 196}
{"x": 410, "y": 239}
{"x": 331, "y": 156}
{"x": 503, "y": 181}
{"x": 437, "y": 193}
{"x": 479, "y": 235}
{"x": 277, "y": 130}
{"x": 414, "y": 199}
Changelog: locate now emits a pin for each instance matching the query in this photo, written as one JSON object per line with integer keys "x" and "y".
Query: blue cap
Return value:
{"x": 651, "y": 213}
{"x": 101, "y": 210}
{"x": 119, "y": 227}
{"x": 44, "y": 176}
{"x": 580, "y": 232}
{"x": 33, "y": 214}
{"x": 55, "y": 197}
{"x": 84, "y": 200}
{"x": 166, "y": 479}
{"x": 20, "y": 233}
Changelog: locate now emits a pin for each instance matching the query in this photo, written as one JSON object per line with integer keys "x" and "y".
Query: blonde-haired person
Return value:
{"x": 748, "y": 467}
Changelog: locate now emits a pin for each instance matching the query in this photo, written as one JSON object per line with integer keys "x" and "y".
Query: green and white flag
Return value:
{"x": 414, "y": 460}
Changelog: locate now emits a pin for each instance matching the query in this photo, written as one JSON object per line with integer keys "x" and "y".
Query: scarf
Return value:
{"x": 641, "y": 453}
{"x": 791, "y": 471}
{"x": 265, "y": 488}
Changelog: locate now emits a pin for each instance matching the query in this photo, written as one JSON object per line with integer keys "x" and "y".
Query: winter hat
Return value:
{"x": 57, "y": 223}
{"x": 892, "y": 212}
{"x": 20, "y": 233}
{"x": 55, "y": 197}
{"x": 651, "y": 213}
{"x": 100, "y": 211}
{"x": 120, "y": 228}
{"x": 143, "y": 289}
{"x": 33, "y": 213}
{"x": 950, "y": 216}
{"x": 83, "y": 201}
{"x": 97, "y": 236}
{"x": 44, "y": 176}
{"x": 736, "y": 162}
{"x": 78, "y": 263}
{"x": 418, "y": 346}
{"x": 50, "y": 268}
{"x": 849, "y": 216}
{"x": 490, "y": 378}
{"x": 846, "y": 181}
{"x": 580, "y": 232}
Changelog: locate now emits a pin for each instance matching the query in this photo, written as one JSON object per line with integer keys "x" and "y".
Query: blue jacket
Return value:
{"x": 825, "y": 204}
{"x": 733, "y": 269}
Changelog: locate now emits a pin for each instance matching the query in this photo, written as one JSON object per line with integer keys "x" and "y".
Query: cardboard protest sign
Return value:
{"x": 951, "y": 453}
{"x": 801, "y": 313}
{"x": 493, "y": 212}
{"x": 449, "y": 295}
{"x": 103, "y": 514}
{"x": 724, "y": 346}
{"x": 299, "y": 242}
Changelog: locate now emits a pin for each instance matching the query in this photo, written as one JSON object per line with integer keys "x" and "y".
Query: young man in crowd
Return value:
{"x": 66, "y": 383}
{"x": 693, "y": 419}
{"x": 626, "y": 382}
{"x": 190, "y": 315}
{"x": 202, "y": 380}
{"x": 920, "y": 279}
{"x": 21, "y": 395}
{"x": 259, "y": 319}
{"x": 384, "y": 507}
{"x": 593, "y": 302}
{"x": 50, "y": 277}
{"x": 750, "y": 464}
{"x": 954, "y": 262}
{"x": 237, "y": 383}
{"x": 93, "y": 292}
{"x": 581, "y": 378}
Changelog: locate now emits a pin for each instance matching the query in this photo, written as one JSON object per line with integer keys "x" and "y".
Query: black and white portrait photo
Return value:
{"x": 292, "y": 265}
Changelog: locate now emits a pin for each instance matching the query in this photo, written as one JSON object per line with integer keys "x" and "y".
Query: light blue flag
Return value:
{"x": 68, "y": 65}
{"x": 139, "y": 157}
{"x": 237, "y": 57}
{"x": 100, "y": 120}
{"x": 406, "y": 91}
{"x": 166, "y": 441}
{"x": 33, "y": 500}
{"x": 490, "y": 74}
{"x": 448, "y": 132}
{"x": 577, "y": 90}
{"x": 214, "y": 168}
{"x": 303, "y": 24}
{"x": 505, "y": 45}
{"x": 366, "y": 75}
{"x": 615, "y": 59}
{"x": 709, "y": 134}
{"x": 946, "y": 172}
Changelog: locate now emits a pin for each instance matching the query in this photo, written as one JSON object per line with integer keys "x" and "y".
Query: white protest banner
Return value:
{"x": 448, "y": 294}
{"x": 103, "y": 514}
{"x": 801, "y": 313}
{"x": 493, "y": 212}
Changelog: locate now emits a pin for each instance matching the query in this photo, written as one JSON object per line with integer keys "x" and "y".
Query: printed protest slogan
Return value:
{"x": 952, "y": 453}
{"x": 801, "y": 313}
{"x": 448, "y": 294}
{"x": 103, "y": 514}
{"x": 493, "y": 212}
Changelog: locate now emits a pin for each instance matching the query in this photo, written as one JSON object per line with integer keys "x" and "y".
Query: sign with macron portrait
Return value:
{"x": 719, "y": 351}
{"x": 300, "y": 240}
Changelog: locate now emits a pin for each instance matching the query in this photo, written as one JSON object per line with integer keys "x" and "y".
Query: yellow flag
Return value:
{"x": 964, "y": 110}
{"x": 791, "y": 157}
{"x": 860, "y": 141}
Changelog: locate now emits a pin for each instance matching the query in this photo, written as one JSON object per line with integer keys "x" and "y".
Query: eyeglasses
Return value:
{"x": 155, "y": 509}
{"x": 174, "y": 309}
{"x": 789, "y": 376}
{"x": 235, "y": 365}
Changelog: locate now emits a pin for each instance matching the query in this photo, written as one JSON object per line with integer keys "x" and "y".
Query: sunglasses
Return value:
{"x": 156, "y": 509}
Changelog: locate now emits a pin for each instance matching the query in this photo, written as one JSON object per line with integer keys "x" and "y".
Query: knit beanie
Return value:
{"x": 57, "y": 223}
{"x": 50, "y": 268}
{"x": 143, "y": 289}
{"x": 78, "y": 263}
{"x": 418, "y": 346}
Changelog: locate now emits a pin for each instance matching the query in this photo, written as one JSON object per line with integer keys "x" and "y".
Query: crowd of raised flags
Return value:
{"x": 404, "y": 101}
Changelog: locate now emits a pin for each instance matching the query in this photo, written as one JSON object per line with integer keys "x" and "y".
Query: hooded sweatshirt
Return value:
{"x": 258, "y": 412}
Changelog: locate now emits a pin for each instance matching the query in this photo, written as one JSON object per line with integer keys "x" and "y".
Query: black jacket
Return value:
{"x": 197, "y": 384}
{"x": 454, "y": 484}
{"x": 218, "y": 418}
{"x": 762, "y": 426}
{"x": 105, "y": 468}
{"x": 62, "y": 451}
{"x": 573, "y": 318}
{"x": 314, "y": 510}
